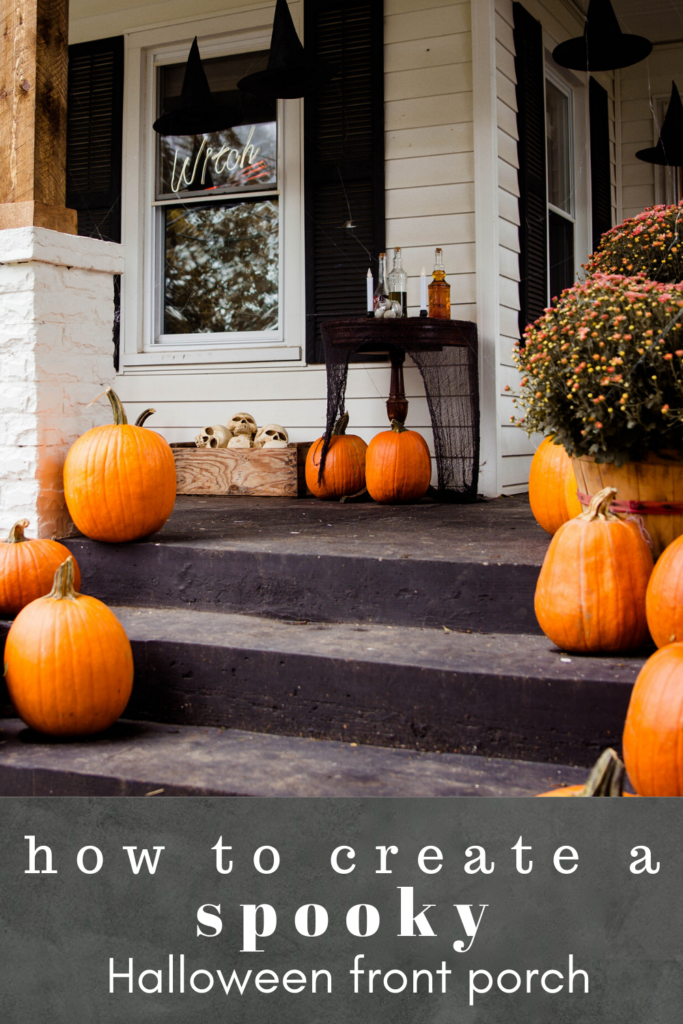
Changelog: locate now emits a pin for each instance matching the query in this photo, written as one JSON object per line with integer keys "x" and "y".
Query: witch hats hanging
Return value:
{"x": 291, "y": 73}
{"x": 197, "y": 112}
{"x": 669, "y": 150}
{"x": 603, "y": 46}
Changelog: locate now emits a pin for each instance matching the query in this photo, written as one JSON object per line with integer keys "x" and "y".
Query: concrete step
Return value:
{"x": 428, "y": 564}
{"x": 492, "y": 694}
{"x": 138, "y": 759}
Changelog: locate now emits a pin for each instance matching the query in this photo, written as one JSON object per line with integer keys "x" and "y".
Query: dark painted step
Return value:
{"x": 428, "y": 564}
{"x": 490, "y": 694}
{"x": 138, "y": 759}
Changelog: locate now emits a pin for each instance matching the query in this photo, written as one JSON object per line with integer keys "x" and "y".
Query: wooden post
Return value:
{"x": 33, "y": 90}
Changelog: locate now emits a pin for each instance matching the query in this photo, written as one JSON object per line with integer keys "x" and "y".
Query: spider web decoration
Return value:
{"x": 450, "y": 373}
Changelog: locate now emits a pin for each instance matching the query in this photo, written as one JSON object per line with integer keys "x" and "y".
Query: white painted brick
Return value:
{"x": 55, "y": 356}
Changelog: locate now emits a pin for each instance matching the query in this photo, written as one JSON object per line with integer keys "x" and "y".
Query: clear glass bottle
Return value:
{"x": 381, "y": 299}
{"x": 398, "y": 283}
{"x": 439, "y": 291}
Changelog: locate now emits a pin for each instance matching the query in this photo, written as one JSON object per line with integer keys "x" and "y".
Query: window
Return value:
{"x": 561, "y": 200}
{"x": 216, "y": 199}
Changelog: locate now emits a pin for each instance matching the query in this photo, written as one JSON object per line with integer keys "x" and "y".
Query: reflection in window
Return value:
{"x": 221, "y": 267}
{"x": 559, "y": 148}
{"x": 221, "y": 254}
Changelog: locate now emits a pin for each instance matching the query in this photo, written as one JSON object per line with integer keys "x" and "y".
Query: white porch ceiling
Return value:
{"x": 658, "y": 20}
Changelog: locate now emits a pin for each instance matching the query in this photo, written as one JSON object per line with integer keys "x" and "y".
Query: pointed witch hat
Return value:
{"x": 197, "y": 112}
{"x": 290, "y": 73}
{"x": 669, "y": 150}
{"x": 603, "y": 46}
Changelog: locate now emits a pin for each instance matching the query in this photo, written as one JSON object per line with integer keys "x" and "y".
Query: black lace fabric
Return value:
{"x": 450, "y": 373}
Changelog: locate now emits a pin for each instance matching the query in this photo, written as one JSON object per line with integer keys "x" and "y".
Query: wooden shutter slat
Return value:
{"x": 533, "y": 206}
{"x": 344, "y": 161}
{"x": 601, "y": 183}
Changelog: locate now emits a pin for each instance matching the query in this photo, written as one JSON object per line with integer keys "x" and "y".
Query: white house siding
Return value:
{"x": 429, "y": 202}
{"x": 559, "y": 23}
{"x": 641, "y": 85}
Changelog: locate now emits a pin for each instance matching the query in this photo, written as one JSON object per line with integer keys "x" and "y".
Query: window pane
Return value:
{"x": 559, "y": 148}
{"x": 560, "y": 253}
{"x": 241, "y": 157}
{"x": 221, "y": 267}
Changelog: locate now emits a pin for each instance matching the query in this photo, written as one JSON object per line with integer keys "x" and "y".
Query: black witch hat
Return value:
{"x": 290, "y": 73}
{"x": 197, "y": 112}
{"x": 603, "y": 46}
{"x": 669, "y": 150}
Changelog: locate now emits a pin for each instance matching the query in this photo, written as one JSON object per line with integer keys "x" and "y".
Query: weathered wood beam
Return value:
{"x": 33, "y": 93}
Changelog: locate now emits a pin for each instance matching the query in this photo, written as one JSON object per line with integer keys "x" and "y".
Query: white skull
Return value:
{"x": 240, "y": 441}
{"x": 214, "y": 437}
{"x": 242, "y": 423}
{"x": 271, "y": 436}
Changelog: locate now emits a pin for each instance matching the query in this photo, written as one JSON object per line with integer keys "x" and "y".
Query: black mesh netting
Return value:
{"x": 445, "y": 353}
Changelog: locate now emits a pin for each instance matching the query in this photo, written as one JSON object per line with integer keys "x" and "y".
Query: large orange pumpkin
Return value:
{"x": 398, "y": 467}
{"x": 68, "y": 662}
{"x": 664, "y": 601}
{"x": 653, "y": 735}
{"x": 119, "y": 480}
{"x": 591, "y": 589}
{"x": 344, "y": 472}
{"x": 27, "y": 569}
{"x": 552, "y": 486}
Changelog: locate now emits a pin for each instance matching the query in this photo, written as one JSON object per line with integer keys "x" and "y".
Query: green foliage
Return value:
{"x": 650, "y": 244}
{"x": 603, "y": 369}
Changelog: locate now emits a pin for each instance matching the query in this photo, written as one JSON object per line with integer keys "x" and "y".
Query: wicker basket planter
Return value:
{"x": 652, "y": 489}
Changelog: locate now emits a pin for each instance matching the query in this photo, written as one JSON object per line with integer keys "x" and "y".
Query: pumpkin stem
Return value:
{"x": 63, "y": 586}
{"x": 16, "y": 534}
{"x": 341, "y": 425}
{"x": 119, "y": 412}
{"x": 606, "y": 777}
{"x": 140, "y": 421}
{"x": 397, "y": 427}
{"x": 599, "y": 507}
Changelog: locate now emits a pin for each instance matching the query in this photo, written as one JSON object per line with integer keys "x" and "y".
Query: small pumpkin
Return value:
{"x": 119, "y": 479}
{"x": 590, "y": 594}
{"x": 653, "y": 734}
{"x": 664, "y": 601}
{"x": 552, "y": 486}
{"x": 398, "y": 466}
{"x": 606, "y": 779}
{"x": 344, "y": 471}
{"x": 27, "y": 569}
{"x": 68, "y": 661}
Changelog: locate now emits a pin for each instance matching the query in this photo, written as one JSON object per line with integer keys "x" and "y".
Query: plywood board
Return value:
{"x": 267, "y": 472}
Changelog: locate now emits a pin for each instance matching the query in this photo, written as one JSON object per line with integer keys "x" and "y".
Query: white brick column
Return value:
{"x": 56, "y": 354}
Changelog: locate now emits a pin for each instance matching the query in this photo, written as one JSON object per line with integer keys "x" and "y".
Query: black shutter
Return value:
{"x": 94, "y": 127}
{"x": 533, "y": 208}
{"x": 601, "y": 184}
{"x": 344, "y": 161}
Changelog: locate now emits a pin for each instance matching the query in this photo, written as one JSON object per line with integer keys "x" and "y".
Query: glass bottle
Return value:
{"x": 398, "y": 283}
{"x": 439, "y": 291}
{"x": 381, "y": 299}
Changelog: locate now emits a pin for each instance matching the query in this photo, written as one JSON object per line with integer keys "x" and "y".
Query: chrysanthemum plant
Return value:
{"x": 603, "y": 369}
{"x": 650, "y": 244}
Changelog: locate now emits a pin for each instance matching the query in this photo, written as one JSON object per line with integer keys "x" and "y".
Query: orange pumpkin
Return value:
{"x": 27, "y": 569}
{"x": 606, "y": 779}
{"x": 68, "y": 662}
{"x": 552, "y": 487}
{"x": 119, "y": 480}
{"x": 664, "y": 602}
{"x": 591, "y": 589}
{"x": 398, "y": 467}
{"x": 653, "y": 734}
{"x": 344, "y": 471}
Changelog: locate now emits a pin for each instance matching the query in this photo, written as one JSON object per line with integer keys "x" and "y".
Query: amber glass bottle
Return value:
{"x": 439, "y": 291}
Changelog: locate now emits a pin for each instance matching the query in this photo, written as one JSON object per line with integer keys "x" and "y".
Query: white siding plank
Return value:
{"x": 440, "y": 81}
{"x": 432, "y": 141}
{"x": 428, "y": 53}
{"x": 430, "y": 201}
{"x": 437, "y": 170}
{"x": 416, "y": 113}
{"x": 426, "y": 25}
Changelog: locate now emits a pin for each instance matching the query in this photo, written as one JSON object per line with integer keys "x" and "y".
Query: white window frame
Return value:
{"x": 141, "y": 346}
{"x": 577, "y": 84}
